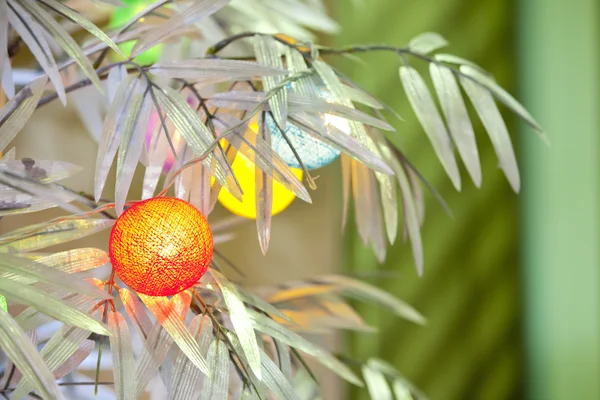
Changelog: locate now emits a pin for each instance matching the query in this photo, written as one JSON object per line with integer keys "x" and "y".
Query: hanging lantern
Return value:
{"x": 313, "y": 152}
{"x": 161, "y": 246}
{"x": 120, "y": 17}
{"x": 244, "y": 170}
{"x": 3, "y": 303}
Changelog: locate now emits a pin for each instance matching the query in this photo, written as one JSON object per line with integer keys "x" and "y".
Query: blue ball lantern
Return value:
{"x": 313, "y": 152}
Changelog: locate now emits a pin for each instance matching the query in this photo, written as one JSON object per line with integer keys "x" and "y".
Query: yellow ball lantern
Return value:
{"x": 245, "y": 172}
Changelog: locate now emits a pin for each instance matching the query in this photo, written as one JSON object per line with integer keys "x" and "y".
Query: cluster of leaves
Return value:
{"x": 198, "y": 108}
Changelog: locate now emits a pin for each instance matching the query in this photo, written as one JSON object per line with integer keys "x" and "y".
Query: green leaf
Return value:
{"x": 186, "y": 377}
{"x": 39, "y": 236}
{"x": 274, "y": 379}
{"x": 19, "y": 109}
{"x": 65, "y": 40}
{"x": 197, "y": 11}
{"x": 197, "y": 136}
{"x": 33, "y": 36}
{"x": 122, "y": 356}
{"x": 80, "y": 20}
{"x": 76, "y": 260}
{"x": 26, "y": 358}
{"x": 491, "y": 118}
{"x": 240, "y": 321}
{"x": 429, "y": 117}
{"x": 113, "y": 126}
{"x": 459, "y": 124}
{"x": 376, "y": 383}
{"x": 62, "y": 345}
{"x": 48, "y": 304}
{"x": 215, "y": 386}
{"x": 362, "y": 290}
{"x": 502, "y": 95}
{"x": 267, "y": 53}
{"x": 427, "y": 42}
{"x": 173, "y": 323}
{"x": 276, "y": 331}
{"x": 27, "y": 272}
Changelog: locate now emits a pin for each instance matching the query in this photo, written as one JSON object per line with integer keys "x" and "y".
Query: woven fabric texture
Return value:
{"x": 161, "y": 246}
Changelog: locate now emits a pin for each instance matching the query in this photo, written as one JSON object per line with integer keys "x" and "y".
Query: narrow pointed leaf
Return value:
{"x": 371, "y": 293}
{"x": 240, "y": 320}
{"x": 39, "y": 236}
{"x": 136, "y": 312}
{"x": 76, "y": 359}
{"x": 502, "y": 95}
{"x": 267, "y": 53}
{"x": 186, "y": 376}
{"x": 80, "y": 20}
{"x": 276, "y": 331}
{"x": 131, "y": 146}
{"x": 197, "y": 11}
{"x": 26, "y": 358}
{"x": 275, "y": 380}
{"x": 427, "y": 42}
{"x": 32, "y": 35}
{"x": 494, "y": 124}
{"x": 19, "y": 109}
{"x": 62, "y": 345}
{"x": 50, "y": 305}
{"x": 215, "y": 386}
{"x": 201, "y": 69}
{"x": 63, "y": 39}
{"x": 429, "y": 117}
{"x": 122, "y": 355}
{"x": 457, "y": 118}
{"x": 168, "y": 317}
{"x": 76, "y": 260}
{"x": 376, "y": 383}
{"x": 112, "y": 129}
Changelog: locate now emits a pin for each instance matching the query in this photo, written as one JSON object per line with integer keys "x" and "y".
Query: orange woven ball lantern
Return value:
{"x": 161, "y": 246}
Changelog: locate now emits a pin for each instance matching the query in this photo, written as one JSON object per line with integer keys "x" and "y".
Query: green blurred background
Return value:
{"x": 511, "y": 281}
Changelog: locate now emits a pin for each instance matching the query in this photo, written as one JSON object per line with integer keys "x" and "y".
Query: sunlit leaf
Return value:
{"x": 18, "y": 110}
{"x": 213, "y": 69}
{"x": 76, "y": 359}
{"x": 173, "y": 323}
{"x": 427, "y": 42}
{"x": 275, "y": 380}
{"x": 122, "y": 356}
{"x": 186, "y": 377}
{"x": 54, "y": 29}
{"x": 130, "y": 148}
{"x": 457, "y": 118}
{"x": 197, "y": 11}
{"x": 112, "y": 128}
{"x": 156, "y": 348}
{"x": 32, "y": 35}
{"x": 362, "y": 290}
{"x": 39, "y": 236}
{"x": 501, "y": 95}
{"x": 376, "y": 383}
{"x": 62, "y": 345}
{"x": 136, "y": 313}
{"x": 80, "y": 20}
{"x": 240, "y": 320}
{"x": 429, "y": 117}
{"x": 76, "y": 260}
{"x": 276, "y": 331}
{"x": 196, "y": 135}
{"x": 267, "y": 53}
{"x": 50, "y": 305}
{"x": 26, "y": 271}
{"x": 26, "y": 358}
{"x": 494, "y": 124}
{"x": 215, "y": 386}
